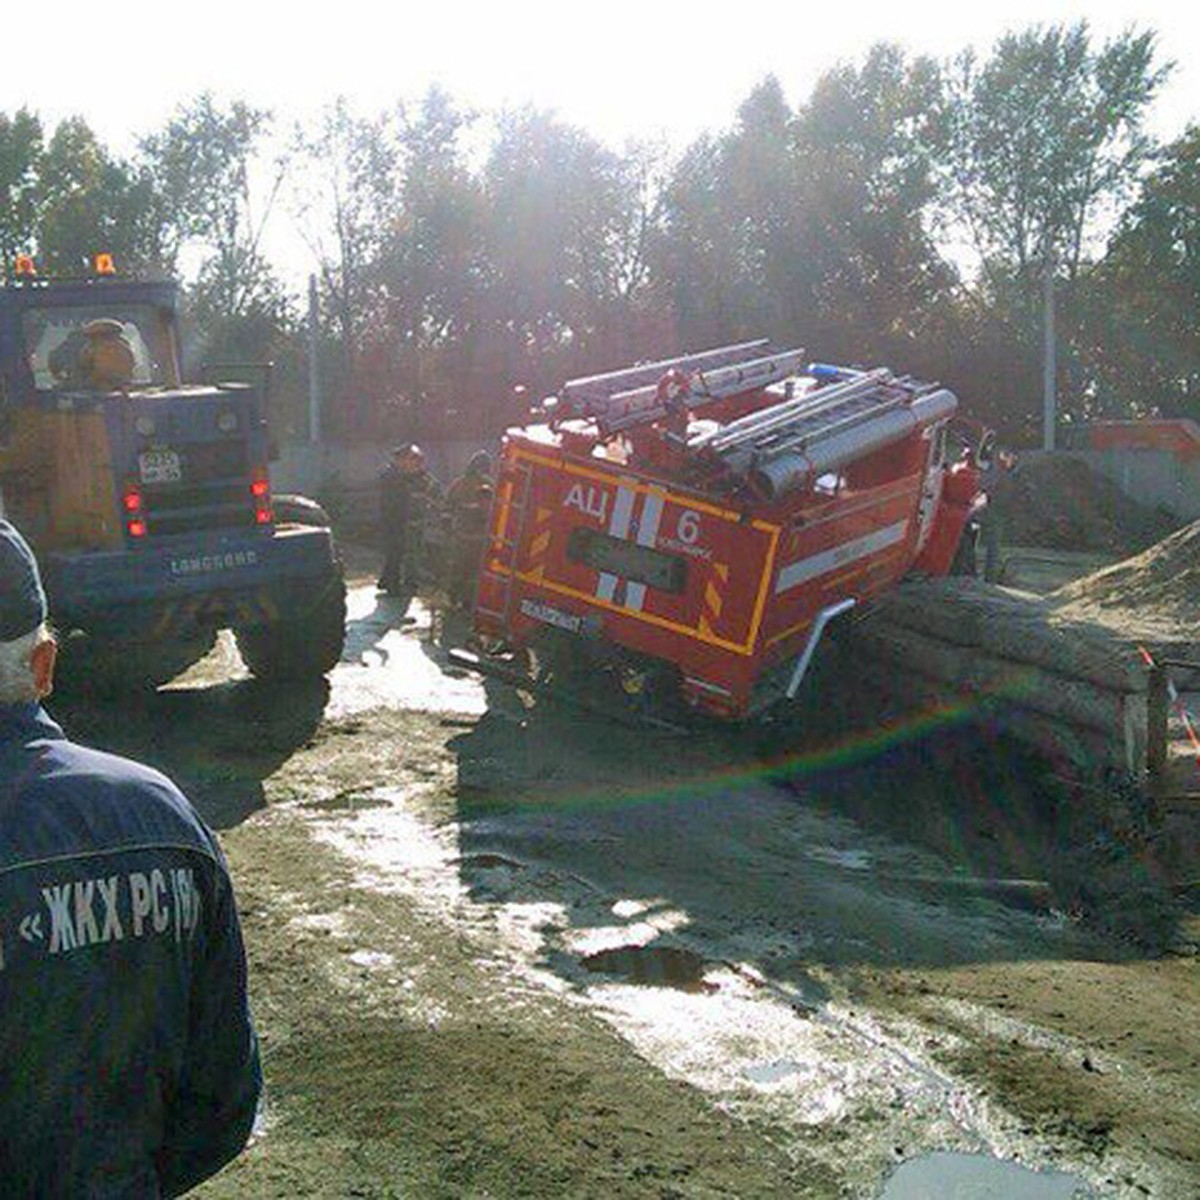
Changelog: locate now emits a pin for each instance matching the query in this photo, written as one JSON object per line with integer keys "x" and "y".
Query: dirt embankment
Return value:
{"x": 1059, "y": 503}
{"x": 1154, "y": 596}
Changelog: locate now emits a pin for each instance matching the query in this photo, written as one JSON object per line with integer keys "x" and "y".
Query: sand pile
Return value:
{"x": 1155, "y": 593}
{"x": 1060, "y": 503}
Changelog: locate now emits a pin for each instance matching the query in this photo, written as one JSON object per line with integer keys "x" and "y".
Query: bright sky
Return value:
{"x": 620, "y": 68}
{"x": 659, "y": 69}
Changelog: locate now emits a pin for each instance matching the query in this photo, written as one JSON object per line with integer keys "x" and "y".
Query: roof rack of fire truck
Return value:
{"x": 819, "y": 423}
{"x": 635, "y": 396}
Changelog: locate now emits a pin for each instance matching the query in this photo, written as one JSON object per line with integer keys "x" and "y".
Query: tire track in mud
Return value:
{"x": 524, "y": 910}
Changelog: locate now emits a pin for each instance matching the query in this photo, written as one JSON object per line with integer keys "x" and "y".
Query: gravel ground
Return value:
{"x": 499, "y": 952}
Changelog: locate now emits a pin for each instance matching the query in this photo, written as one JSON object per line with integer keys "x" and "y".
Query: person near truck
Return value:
{"x": 406, "y": 493}
{"x": 129, "y": 1064}
{"x": 468, "y": 504}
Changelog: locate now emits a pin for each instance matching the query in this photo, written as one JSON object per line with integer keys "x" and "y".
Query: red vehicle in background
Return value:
{"x": 691, "y": 526}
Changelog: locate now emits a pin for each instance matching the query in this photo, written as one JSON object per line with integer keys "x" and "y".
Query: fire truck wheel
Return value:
{"x": 300, "y": 647}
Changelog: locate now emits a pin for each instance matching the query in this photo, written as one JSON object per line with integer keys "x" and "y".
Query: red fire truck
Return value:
{"x": 689, "y": 527}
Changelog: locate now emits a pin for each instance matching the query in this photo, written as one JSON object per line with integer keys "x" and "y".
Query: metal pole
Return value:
{"x": 1049, "y": 399}
{"x": 1158, "y": 713}
{"x": 314, "y": 382}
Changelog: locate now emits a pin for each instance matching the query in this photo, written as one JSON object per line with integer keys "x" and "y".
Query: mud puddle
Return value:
{"x": 654, "y": 966}
{"x": 580, "y": 906}
{"x": 950, "y": 1176}
{"x": 391, "y": 661}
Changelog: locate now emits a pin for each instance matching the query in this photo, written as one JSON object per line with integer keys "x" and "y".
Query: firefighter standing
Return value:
{"x": 406, "y": 490}
{"x": 468, "y": 503}
{"x": 128, "y": 1060}
{"x": 999, "y": 482}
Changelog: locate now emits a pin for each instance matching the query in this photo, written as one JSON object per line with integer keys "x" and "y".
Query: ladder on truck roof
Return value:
{"x": 795, "y": 441}
{"x": 632, "y": 396}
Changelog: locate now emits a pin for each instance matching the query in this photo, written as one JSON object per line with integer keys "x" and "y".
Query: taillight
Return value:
{"x": 260, "y": 489}
{"x": 135, "y": 515}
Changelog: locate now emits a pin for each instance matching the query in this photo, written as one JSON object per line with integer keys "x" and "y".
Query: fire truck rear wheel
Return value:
{"x": 301, "y": 647}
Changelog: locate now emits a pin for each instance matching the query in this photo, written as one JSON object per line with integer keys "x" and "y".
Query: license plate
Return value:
{"x": 551, "y": 616}
{"x": 160, "y": 466}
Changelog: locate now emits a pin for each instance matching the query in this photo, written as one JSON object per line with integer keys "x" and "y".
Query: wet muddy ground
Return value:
{"x": 502, "y": 951}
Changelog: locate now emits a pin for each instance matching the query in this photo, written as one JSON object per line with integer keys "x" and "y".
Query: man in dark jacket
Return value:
{"x": 468, "y": 504}
{"x": 129, "y": 1064}
{"x": 406, "y": 493}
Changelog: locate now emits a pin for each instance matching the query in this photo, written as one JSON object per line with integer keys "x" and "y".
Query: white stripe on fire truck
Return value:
{"x": 804, "y": 569}
{"x": 618, "y": 527}
{"x": 647, "y": 535}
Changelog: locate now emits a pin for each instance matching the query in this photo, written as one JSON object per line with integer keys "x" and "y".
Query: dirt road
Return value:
{"x": 499, "y": 952}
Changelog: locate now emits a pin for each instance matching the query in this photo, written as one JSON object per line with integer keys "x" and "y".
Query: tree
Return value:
{"x": 1144, "y": 315}
{"x": 427, "y": 277}
{"x": 728, "y": 224}
{"x": 345, "y": 201}
{"x": 1044, "y": 141}
{"x": 559, "y": 211}
{"x": 810, "y": 225}
{"x": 87, "y": 202}
{"x": 1042, "y": 146}
{"x": 873, "y": 286}
{"x": 202, "y": 165}
{"x": 203, "y": 168}
{"x": 20, "y": 160}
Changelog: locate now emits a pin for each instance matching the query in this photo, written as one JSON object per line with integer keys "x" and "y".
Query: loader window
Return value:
{"x": 597, "y": 550}
{"x": 58, "y": 341}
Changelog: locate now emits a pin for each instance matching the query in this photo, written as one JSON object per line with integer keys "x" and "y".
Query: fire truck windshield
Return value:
{"x": 99, "y": 347}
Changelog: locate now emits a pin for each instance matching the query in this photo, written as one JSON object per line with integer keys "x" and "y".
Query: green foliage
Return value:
{"x": 1143, "y": 312}
{"x": 811, "y": 224}
{"x": 90, "y": 202}
{"x": 20, "y": 162}
{"x": 460, "y": 255}
{"x": 1045, "y": 137}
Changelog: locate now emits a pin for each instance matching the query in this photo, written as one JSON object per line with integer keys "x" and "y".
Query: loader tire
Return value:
{"x": 299, "y": 510}
{"x": 304, "y": 646}
{"x": 96, "y": 668}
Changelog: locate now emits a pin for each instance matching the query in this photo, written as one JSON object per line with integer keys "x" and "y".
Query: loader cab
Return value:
{"x": 102, "y": 446}
{"x": 85, "y": 338}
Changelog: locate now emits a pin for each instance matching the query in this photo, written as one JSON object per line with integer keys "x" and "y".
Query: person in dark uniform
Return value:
{"x": 406, "y": 493}
{"x": 129, "y": 1064}
{"x": 999, "y": 482}
{"x": 468, "y": 504}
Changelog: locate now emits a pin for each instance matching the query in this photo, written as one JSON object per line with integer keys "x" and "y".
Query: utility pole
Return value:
{"x": 314, "y": 382}
{"x": 1049, "y": 397}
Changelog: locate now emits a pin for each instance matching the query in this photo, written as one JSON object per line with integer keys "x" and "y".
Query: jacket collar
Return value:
{"x": 21, "y": 723}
